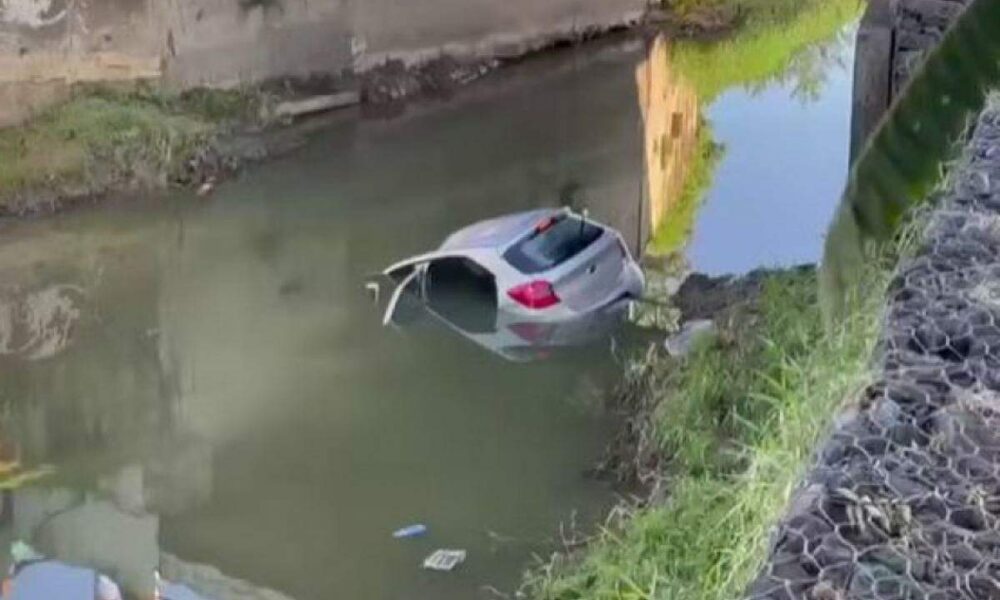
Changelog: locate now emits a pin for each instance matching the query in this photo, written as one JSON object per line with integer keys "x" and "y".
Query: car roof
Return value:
{"x": 496, "y": 233}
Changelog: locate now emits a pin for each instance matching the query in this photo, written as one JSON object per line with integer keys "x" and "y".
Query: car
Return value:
{"x": 541, "y": 278}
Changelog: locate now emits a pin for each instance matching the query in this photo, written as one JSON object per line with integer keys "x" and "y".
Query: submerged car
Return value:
{"x": 524, "y": 281}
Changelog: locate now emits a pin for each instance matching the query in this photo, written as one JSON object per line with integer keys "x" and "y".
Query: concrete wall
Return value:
{"x": 46, "y": 45}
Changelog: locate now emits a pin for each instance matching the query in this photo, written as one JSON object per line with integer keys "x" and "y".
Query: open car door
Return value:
{"x": 453, "y": 286}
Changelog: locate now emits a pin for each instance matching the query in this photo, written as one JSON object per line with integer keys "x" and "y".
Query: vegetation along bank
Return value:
{"x": 898, "y": 502}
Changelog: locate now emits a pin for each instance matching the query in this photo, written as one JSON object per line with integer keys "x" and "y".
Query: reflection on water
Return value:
{"x": 670, "y": 113}
{"x": 37, "y": 324}
{"x": 205, "y": 388}
{"x": 768, "y": 160}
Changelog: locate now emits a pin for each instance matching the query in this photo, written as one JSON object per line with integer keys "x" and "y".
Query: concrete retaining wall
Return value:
{"x": 46, "y": 45}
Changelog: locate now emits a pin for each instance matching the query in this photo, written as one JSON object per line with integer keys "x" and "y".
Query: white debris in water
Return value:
{"x": 30, "y": 13}
{"x": 690, "y": 334}
{"x": 107, "y": 589}
{"x": 6, "y": 327}
{"x": 444, "y": 560}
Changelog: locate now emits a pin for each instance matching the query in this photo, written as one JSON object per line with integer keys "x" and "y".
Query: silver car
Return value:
{"x": 543, "y": 276}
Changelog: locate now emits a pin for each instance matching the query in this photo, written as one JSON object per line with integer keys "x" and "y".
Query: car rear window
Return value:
{"x": 552, "y": 243}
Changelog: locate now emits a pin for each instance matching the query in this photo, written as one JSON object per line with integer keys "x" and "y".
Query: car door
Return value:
{"x": 414, "y": 276}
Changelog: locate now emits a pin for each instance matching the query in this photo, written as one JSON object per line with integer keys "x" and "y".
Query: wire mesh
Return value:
{"x": 904, "y": 499}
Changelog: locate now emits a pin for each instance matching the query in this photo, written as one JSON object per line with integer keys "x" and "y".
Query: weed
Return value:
{"x": 738, "y": 420}
{"x": 108, "y": 135}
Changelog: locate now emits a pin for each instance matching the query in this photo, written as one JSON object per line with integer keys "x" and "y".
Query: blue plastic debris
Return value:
{"x": 410, "y": 531}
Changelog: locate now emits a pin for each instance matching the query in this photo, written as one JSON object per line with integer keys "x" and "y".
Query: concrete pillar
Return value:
{"x": 872, "y": 69}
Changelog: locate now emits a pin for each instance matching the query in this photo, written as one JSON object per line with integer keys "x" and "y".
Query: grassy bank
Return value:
{"x": 103, "y": 138}
{"x": 735, "y": 423}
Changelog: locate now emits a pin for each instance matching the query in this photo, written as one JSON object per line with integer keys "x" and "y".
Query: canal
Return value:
{"x": 202, "y": 385}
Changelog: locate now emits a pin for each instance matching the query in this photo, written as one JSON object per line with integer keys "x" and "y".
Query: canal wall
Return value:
{"x": 893, "y": 38}
{"x": 903, "y": 499}
{"x": 48, "y": 45}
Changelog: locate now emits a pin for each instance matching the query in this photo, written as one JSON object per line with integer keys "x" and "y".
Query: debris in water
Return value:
{"x": 373, "y": 289}
{"x": 107, "y": 589}
{"x": 444, "y": 560}
{"x": 207, "y": 187}
{"x": 410, "y": 531}
{"x": 21, "y": 552}
{"x": 690, "y": 334}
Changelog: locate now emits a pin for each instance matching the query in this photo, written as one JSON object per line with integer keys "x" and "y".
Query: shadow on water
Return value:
{"x": 206, "y": 389}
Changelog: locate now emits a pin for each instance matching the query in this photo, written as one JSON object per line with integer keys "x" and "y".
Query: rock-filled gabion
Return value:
{"x": 919, "y": 26}
{"x": 904, "y": 500}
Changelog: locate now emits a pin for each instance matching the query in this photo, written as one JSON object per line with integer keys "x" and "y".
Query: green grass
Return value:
{"x": 738, "y": 420}
{"x": 676, "y": 227}
{"x": 103, "y": 136}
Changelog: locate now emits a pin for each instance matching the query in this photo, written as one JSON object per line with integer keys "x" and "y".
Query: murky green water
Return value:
{"x": 216, "y": 395}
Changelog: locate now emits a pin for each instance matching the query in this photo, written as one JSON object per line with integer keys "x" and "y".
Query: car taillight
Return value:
{"x": 535, "y": 295}
{"x": 533, "y": 333}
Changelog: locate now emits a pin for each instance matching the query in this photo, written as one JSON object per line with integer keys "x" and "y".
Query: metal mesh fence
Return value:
{"x": 904, "y": 499}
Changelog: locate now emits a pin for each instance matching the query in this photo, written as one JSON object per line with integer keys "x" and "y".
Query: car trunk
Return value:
{"x": 594, "y": 277}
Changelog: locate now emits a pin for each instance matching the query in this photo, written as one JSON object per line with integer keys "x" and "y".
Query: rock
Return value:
{"x": 691, "y": 333}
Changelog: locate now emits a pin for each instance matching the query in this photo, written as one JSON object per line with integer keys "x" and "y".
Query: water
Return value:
{"x": 774, "y": 211}
{"x": 214, "y": 391}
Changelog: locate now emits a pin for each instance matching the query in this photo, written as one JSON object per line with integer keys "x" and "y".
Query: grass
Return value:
{"x": 678, "y": 222}
{"x": 102, "y": 137}
{"x": 738, "y": 420}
